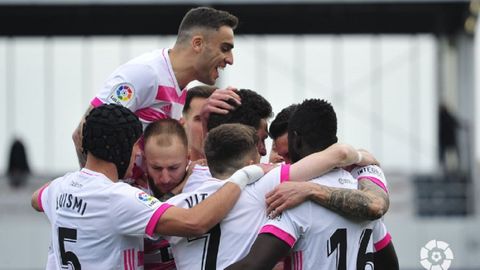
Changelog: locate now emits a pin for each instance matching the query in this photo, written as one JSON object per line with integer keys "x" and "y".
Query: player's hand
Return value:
{"x": 285, "y": 196}
{"x": 222, "y": 101}
{"x": 367, "y": 158}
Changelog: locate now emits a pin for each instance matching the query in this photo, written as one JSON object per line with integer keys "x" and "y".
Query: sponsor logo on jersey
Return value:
{"x": 368, "y": 170}
{"x": 122, "y": 94}
{"x": 146, "y": 199}
{"x": 344, "y": 181}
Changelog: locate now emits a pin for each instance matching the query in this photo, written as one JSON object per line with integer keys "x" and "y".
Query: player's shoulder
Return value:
{"x": 370, "y": 170}
{"x": 337, "y": 178}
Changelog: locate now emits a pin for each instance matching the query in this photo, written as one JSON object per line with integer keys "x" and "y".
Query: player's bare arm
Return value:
{"x": 77, "y": 139}
{"x": 266, "y": 251}
{"x": 369, "y": 202}
{"x": 202, "y": 217}
{"x": 35, "y": 196}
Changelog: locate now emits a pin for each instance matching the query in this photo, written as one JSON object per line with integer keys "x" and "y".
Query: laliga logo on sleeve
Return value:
{"x": 146, "y": 199}
{"x": 436, "y": 255}
{"x": 122, "y": 94}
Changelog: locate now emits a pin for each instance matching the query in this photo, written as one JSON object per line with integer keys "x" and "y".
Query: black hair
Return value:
{"x": 279, "y": 125}
{"x": 254, "y": 108}
{"x": 204, "y": 17}
{"x": 312, "y": 128}
{"x": 200, "y": 91}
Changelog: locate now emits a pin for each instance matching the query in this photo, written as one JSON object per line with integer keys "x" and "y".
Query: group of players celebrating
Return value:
{"x": 171, "y": 179}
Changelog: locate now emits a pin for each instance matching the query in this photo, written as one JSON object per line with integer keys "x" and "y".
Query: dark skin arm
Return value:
{"x": 266, "y": 251}
{"x": 386, "y": 259}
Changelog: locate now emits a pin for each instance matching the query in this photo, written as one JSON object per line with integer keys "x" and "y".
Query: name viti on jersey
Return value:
{"x": 195, "y": 199}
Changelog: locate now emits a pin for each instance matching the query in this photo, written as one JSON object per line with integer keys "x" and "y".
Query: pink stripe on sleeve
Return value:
{"x": 183, "y": 97}
{"x": 280, "y": 234}
{"x": 374, "y": 180}
{"x": 149, "y": 114}
{"x": 39, "y": 198}
{"x": 152, "y": 223}
{"x": 96, "y": 102}
{"x": 284, "y": 173}
{"x": 383, "y": 243}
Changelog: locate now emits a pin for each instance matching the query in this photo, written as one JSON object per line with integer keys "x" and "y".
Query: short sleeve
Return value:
{"x": 130, "y": 85}
{"x": 381, "y": 237}
{"x": 136, "y": 212}
{"x": 267, "y": 183}
{"x": 372, "y": 172}
{"x": 289, "y": 226}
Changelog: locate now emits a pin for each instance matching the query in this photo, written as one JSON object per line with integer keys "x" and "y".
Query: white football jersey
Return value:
{"x": 322, "y": 239}
{"x": 98, "y": 224}
{"x": 232, "y": 238}
{"x": 371, "y": 172}
{"x": 199, "y": 175}
{"x": 147, "y": 86}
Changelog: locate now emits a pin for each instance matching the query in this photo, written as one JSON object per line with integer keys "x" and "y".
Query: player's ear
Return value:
{"x": 197, "y": 43}
{"x": 182, "y": 121}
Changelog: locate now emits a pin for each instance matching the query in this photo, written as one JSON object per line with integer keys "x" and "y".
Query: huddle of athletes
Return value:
{"x": 171, "y": 178}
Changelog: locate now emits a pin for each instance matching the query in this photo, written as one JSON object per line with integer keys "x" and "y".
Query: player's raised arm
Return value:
{"x": 199, "y": 219}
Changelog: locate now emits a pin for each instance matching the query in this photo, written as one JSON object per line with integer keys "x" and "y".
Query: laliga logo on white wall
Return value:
{"x": 436, "y": 255}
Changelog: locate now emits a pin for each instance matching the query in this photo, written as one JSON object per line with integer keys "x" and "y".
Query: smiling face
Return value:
{"x": 215, "y": 53}
{"x": 166, "y": 162}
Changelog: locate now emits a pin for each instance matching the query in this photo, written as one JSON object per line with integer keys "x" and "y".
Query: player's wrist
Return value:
{"x": 246, "y": 175}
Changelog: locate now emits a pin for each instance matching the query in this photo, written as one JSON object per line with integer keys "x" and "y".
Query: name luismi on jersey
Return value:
{"x": 69, "y": 201}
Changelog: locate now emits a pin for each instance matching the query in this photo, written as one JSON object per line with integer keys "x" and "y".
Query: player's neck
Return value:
{"x": 101, "y": 166}
{"x": 196, "y": 155}
{"x": 182, "y": 66}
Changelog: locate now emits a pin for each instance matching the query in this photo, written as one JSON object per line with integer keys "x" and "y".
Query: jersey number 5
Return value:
{"x": 68, "y": 258}
{"x": 338, "y": 240}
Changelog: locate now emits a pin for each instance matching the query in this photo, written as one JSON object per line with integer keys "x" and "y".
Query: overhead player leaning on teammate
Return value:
{"x": 98, "y": 222}
{"x": 153, "y": 84}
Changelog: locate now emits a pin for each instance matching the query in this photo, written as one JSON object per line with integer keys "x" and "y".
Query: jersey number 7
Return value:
{"x": 210, "y": 247}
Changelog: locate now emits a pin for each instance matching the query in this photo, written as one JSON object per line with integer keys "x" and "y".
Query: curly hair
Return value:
{"x": 253, "y": 109}
{"x": 314, "y": 125}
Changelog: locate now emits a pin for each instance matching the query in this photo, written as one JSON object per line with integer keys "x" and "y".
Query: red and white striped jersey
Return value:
{"x": 147, "y": 86}
{"x": 98, "y": 224}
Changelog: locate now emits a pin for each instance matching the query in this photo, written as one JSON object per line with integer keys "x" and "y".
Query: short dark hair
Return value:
{"x": 279, "y": 125}
{"x": 205, "y": 17}
{"x": 314, "y": 125}
{"x": 200, "y": 91}
{"x": 169, "y": 127}
{"x": 254, "y": 108}
{"x": 227, "y": 146}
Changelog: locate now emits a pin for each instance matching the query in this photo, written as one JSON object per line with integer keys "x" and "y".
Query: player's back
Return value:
{"x": 92, "y": 223}
{"x": 230, "y": 240}
{"x": 321, "y": 238}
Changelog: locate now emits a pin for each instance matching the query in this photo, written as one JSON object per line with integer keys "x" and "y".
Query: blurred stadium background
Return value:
{"x": 386, "y": 65}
